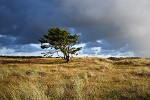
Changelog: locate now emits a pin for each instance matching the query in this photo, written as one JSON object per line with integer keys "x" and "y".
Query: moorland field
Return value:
{"x": 86, "y": 78}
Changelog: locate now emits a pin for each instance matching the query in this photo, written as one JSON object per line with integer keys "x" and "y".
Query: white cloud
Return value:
{"x": 5, "y": 51}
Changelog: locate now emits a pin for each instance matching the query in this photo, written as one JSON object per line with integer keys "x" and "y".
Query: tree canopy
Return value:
{"x": 61, "y": 40}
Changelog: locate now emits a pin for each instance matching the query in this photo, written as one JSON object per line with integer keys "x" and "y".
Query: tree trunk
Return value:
{"x": 67, "y": 59}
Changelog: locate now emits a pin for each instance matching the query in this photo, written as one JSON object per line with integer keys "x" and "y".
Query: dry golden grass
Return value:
{"x": 81, "y": 79}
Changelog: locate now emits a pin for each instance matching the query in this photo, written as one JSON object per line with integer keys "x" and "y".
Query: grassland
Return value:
{"x": 81, "y": 79}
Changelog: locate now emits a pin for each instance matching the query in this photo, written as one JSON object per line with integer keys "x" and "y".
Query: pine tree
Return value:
{"x": 61, "y": 40}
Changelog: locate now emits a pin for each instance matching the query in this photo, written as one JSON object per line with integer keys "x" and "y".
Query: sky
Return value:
{"x": 106, "y": 27}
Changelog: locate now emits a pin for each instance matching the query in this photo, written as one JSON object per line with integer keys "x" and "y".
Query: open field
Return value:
{"x": 81, "y": 79}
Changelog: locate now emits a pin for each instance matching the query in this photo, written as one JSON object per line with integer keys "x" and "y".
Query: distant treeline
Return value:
{"x": 111, "y": 58}
{"x": 28, "y": 56}
{"x": 23, "y": 56}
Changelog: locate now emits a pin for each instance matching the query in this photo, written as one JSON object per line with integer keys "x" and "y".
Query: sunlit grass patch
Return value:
{"x": 142, "y": 71}
{"x": 22, "y": 90}
{"x": 81, "y": 79}
{"x": 133, "y": 62}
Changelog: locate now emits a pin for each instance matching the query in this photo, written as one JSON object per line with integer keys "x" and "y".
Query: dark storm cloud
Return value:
{"x": 27, "y": 20}
{"x": 120, "y": 25}
{"x": 118, "y": 22}
{"x": 6, "y": 40}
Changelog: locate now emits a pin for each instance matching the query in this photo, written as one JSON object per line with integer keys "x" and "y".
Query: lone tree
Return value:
{"x": 61, "y": 40}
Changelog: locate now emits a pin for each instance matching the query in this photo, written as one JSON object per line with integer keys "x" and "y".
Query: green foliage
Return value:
{"x": 61, "y": 40}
